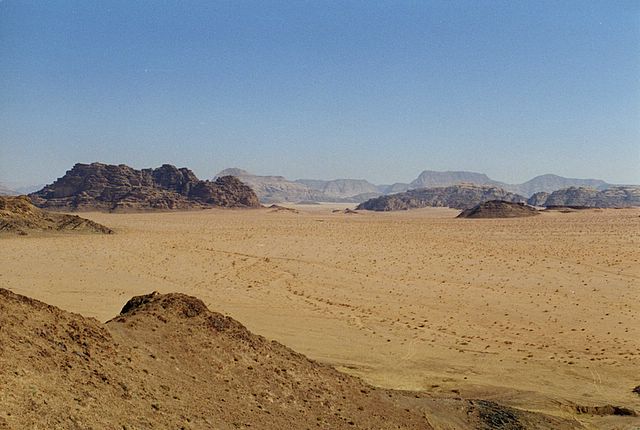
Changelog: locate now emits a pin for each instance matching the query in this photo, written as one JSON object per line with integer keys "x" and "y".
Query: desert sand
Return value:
{"x": 539, "y": 313}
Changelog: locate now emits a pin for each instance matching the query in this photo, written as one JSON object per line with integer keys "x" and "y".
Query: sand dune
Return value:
{"x": 539, "y": 313}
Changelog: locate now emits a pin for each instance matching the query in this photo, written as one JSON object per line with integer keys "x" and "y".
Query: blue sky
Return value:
{"x": 322, "y": 89}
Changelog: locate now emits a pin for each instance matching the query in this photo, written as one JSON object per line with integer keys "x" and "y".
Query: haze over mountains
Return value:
{"x": 278, "y": 188}
{"x": 119, "y": 187}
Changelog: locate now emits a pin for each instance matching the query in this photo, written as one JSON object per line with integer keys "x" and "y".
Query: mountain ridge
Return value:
{"x": 272, "y": 189}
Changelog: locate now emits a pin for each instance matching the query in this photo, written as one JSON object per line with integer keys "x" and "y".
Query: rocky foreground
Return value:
{"x": 18, "y": 215}
{"x": 168, "y": 362}
{"x": 98, "y": 186}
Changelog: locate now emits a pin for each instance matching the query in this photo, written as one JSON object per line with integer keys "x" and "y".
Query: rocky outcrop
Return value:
{"x": 18, "y": 215}
{"x": 538, "y": 199}
{"x": 100, "y": 186}
{"x": 457, "y": 196}
{"x": 226, "y": 191}
{"x": 499, "y": 209}
{"x": 614, "y": 197}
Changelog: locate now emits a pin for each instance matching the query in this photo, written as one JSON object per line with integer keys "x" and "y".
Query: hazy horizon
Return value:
{"x": 378, "y": 91}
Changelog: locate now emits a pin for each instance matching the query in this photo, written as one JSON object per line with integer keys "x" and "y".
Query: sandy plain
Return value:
{"x": 540, "y": 313}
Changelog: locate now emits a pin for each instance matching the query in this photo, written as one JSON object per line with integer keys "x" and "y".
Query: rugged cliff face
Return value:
{"x": 458, "y": 196}
{"x": 98, "y": 186}
{"x": 614, "y": 197}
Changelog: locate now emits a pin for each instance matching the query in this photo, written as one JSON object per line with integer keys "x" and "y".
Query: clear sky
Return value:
{"x": 322, "y": 89}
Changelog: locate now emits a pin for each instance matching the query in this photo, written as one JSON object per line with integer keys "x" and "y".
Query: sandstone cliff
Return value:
{"x": 100, "y": 186}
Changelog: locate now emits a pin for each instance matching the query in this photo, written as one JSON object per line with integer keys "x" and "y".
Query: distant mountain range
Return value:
{"x": 6, "y": 191}
{"x": 10, "y": 190}
{"x": 272, "y": 189}
{"x": 110, "y": 187}
{"x": 546, "y": 183}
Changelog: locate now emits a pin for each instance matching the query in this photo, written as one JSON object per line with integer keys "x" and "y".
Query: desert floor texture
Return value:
{"x": 533, "y": 312}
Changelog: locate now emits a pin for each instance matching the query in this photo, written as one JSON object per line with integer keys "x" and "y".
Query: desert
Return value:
{"x": 531, "y": 313}
{"x": 332, "y": 215}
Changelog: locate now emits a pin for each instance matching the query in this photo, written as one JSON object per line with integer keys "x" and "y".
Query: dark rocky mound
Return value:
{"x": 346, "y": 211}
{"x": 614, "y": 197}
{"x": 278, "y": 208}
{"x": 499, "y": 209}
{"x": 19, "y": 215}
{"x": 605, "y": 410}
{"x": 457, "y": 196}
{"x": 107, "y": 187}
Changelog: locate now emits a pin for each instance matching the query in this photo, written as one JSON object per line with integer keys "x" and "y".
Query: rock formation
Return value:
{"x": 538, "y": 199}
{"x": 614, "y": 197}
{"x": 100, "y": 186}
{"x": 457, "y": 196}
{"x": 19, "y": 215}
{"x": 499, "y": 209}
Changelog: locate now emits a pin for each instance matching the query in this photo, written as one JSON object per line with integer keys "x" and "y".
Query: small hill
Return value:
{"x": 19, "y": 215}
{"x": 98, "y": 186}
{"x": 278, "y": 208}
{"x": 499, "y": 209}
{"x": 614, "y": 197}
{"x": 167, "y": 361}
{"x": 462, "y": 196}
